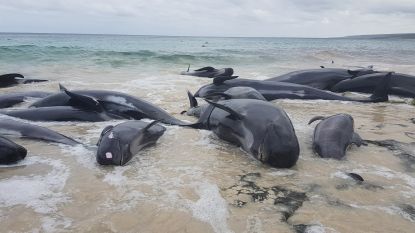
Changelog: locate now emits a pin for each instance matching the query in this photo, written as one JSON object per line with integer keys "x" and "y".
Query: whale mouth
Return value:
{"x": 262, "y": 156}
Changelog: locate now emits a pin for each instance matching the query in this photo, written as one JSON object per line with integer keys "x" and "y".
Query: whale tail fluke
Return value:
{"x": 380, "y": 94}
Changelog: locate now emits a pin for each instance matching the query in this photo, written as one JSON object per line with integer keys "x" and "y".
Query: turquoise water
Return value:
{"x": 267, "y": 56}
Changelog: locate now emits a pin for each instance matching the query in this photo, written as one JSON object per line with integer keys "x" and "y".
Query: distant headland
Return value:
{"x": 383, "y": 36}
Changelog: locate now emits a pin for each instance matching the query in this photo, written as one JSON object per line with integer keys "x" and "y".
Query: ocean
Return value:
{"x": 191, "y": 181}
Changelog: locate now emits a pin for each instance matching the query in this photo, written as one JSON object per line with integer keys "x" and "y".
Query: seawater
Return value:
{"x": 191, "y": 181}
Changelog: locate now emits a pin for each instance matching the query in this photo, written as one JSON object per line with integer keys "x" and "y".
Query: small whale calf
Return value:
{"x": 118, "y": 144}
{"x": 11, "y": 152}
{"x": 333, "y": 135}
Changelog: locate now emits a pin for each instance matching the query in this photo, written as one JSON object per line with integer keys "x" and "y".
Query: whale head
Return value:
{"x": 11, "y": 152}
{"x": 110, "y": 149}
{"x": 279, "y": 147}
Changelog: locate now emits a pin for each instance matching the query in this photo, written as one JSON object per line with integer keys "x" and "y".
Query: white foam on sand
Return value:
{"x": 211, "y": 207}
{"x": 116, "y": 177}
{"x": 84, "y": 156}
{"x": 392, "y": 210}
{"x": 42, "y": 193}
{"x": 205, "y": 140}
{"x": 318, "y": 228}
{"x": 254, "y": 224}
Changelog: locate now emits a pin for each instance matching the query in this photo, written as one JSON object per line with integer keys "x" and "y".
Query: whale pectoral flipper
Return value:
{"x": 357, "y": 140}
{"x": 221, "y": 79}
{"x": 316, "y": 118}
{"x": 84, "y": 101}
{"x": 234, "y": 114}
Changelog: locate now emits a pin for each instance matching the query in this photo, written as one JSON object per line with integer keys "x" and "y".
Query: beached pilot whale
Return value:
{"x": 208, "y": 72}
{"x": 401, "y": 84}
{"x": 118, "y": 144}
{"x": 324, "y": 78}
{"x": 11, "y": 152}
{"x": 109, "y": 102}
{"x": 88, "y": 111}
{"x": 12, "y": 79}
{"x": 259, "y": 127}
{"x": 232, "y": 93}
{"x": 333, "y": 135}
{"x": 9, "y": 127}
{"x": 272, "y": 90}
{"x": 11, "y": 99}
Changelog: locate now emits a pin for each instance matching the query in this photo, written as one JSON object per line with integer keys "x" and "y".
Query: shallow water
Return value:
{"x": 191, "y": 181}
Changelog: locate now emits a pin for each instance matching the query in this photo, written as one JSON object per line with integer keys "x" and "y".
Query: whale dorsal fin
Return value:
{"x": 316, "y": 118}
{"x": 150, "y": 125}
{"x": 192, "y": 99}
{"x": 84, "y": 101}
{"x": 207, "y": 68}
{"x": 188, "y": 68}
{"x": 235, "y": 115}
{"x": 382, "y": 89}
{"x": 322, "y": 67}
{"x": 221, "y": 79}
{"x": 62, "y": 88}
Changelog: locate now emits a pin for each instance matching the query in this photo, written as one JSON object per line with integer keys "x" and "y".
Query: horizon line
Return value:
{"x": 288, "y": 37}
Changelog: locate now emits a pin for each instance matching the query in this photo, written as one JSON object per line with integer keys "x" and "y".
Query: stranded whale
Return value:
{"x": 11, "y": 152}
{"x": 272, "y": 90}
{"x": 333, "y": 135}
{"x": 11, "y": 99}
{"x": 260, "y": 128}
{"x": 110, "y": 102}
{"x": 209, "y": 72}
{"x": 7, "y": 80}
{"x": 11, "y": 127}
{"x": 118, "y": 144}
